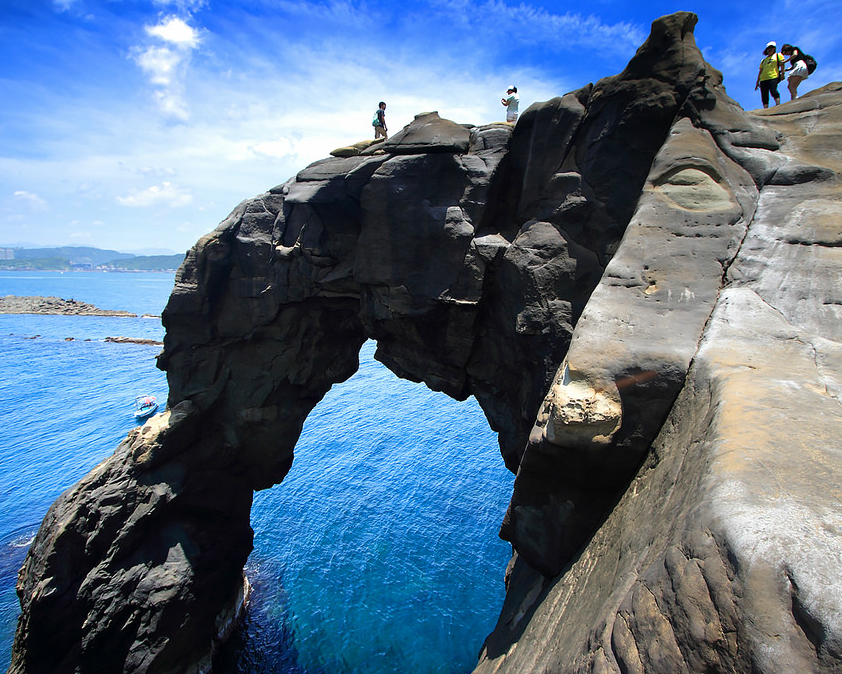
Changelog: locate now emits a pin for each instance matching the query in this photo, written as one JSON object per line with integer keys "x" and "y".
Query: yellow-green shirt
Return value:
{"x": 769, "y": 67}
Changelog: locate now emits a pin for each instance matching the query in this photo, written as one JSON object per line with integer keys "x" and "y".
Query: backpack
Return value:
{"x": 810, "y": 62}
{"x": 376, "y": 120}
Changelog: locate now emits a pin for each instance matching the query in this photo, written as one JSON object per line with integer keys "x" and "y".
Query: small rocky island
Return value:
{"x": 15, "y": 304}
{"x": 638, "y": 282}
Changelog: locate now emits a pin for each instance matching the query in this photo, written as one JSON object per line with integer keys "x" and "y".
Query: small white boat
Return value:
{"x": 144, "y": 406}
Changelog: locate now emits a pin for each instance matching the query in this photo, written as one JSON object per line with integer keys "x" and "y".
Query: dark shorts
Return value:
{"x": 767, "y": 87}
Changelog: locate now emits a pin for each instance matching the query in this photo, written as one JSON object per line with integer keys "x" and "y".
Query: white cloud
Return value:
{"x": 160, "y": 64}
{"x": 31, "y": 200}
{"x": 176, "y": 32}
{"x": 171, "y": 102}
{"x": 166, "y": 65}
{"x": 165, "y": 194}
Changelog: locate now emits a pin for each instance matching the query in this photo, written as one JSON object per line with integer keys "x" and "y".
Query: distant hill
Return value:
{"x": 149, "y": 263}
{"x": 73, "y": 254}
{"x": 66, "y": 258}
{"x": 37, "y": 263}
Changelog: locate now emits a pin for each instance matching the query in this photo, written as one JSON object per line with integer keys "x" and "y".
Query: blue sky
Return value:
{"x": 138, "y": 124}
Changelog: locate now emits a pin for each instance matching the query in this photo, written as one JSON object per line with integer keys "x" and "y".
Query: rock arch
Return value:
{"x": 388, "y": 516}
{"x": 481, "y": 259}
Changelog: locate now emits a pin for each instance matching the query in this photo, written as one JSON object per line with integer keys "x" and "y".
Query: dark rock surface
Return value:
{"x": 429, "y": 133}
{"x": 639, "y": 284}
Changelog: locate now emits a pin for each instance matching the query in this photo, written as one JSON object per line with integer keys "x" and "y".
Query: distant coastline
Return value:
{"x": 100, "y": 270}
{"x": 81, "y": 258}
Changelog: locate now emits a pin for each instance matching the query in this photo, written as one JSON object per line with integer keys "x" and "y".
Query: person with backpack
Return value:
{"x": 771, "y": 72}
{"x": 801, "y": 66}
{"x": 379, "y": 122}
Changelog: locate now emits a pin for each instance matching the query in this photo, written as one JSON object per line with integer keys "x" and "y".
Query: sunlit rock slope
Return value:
{"x": 639, "y": 282}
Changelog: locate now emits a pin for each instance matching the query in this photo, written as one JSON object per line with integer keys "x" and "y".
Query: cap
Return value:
{"x": 771, "y": 44}
{"x": 512, "y": 88}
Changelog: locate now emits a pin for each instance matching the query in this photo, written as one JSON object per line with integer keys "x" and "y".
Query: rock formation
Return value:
{"x": 639, "y": 284}
{"x": 16, "y": 304}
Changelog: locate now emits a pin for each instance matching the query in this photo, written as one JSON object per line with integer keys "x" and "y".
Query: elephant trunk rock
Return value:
{"x": 639, "y": 284}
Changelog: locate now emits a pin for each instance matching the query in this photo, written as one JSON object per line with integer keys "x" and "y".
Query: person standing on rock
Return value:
{"x": 379, "y": 122}
{"x": 798, "y": 68}
{"x": 511, "y": 101}
{"x": 771, "y": 72}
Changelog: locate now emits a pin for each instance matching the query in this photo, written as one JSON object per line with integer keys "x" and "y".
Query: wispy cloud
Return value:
{"x": 524, "y": 23}
{"x": 165, "y": 194}
{"x": 166, "y": 61}
{"x": 182, "y": 6}
{"x": 348, "y": 14}
{"x": 63, "y": 5}
{"x": 32, "y": 201}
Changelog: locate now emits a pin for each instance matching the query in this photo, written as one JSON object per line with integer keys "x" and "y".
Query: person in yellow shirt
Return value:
{"x": 771, "y": 72}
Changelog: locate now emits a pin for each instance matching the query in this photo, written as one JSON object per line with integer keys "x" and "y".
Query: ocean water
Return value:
{"x": 377, "y": 554}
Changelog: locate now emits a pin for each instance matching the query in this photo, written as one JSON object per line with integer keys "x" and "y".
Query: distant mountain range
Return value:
{"x": 66, "y": 258}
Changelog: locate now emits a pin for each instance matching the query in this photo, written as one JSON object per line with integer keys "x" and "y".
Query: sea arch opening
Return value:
{"x": 379, "y": 551}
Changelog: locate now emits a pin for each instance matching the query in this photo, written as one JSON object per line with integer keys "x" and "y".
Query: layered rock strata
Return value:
{"x": 639, "y": 284}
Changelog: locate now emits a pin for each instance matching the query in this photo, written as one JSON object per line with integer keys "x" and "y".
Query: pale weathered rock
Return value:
{"x": 723, "y": 554}
{"x": 639, "y": 284}
{"x": 356, "y": 148}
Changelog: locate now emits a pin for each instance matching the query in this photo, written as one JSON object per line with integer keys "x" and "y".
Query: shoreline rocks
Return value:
{"x": 21, "y": 304}
{"x": 134, "y": 340}
{"x": 115, "y": 340}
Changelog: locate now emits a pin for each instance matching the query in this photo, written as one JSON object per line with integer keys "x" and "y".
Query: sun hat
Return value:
{"x": 771, "y": 43}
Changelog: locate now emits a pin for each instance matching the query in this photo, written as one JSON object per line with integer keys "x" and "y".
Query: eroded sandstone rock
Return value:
{"x": 722, "y": 555}
{"x": 647, "y": 313}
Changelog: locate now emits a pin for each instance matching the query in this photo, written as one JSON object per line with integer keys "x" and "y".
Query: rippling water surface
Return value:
{"x": 378, "y": 553}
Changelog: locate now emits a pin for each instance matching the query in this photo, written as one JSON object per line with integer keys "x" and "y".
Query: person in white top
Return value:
{"x": 511, "y": 102}
{"x": 798, "y": 70}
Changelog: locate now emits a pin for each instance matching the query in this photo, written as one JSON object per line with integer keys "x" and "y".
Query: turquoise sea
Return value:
{"x": 377, "y": 554}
